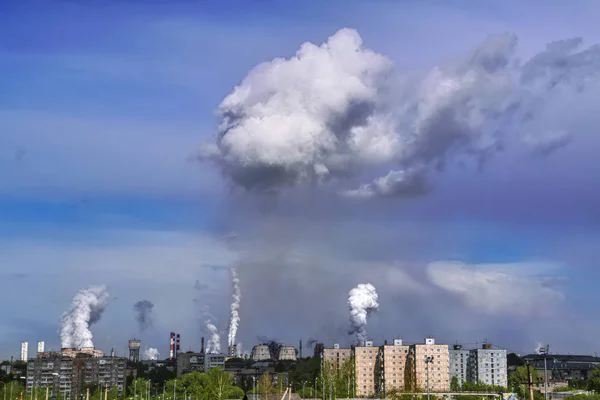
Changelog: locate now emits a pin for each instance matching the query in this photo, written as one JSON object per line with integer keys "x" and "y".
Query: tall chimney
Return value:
{"x": 112, "y": 352}
{"x": 178, "y": 345}
{"x": 300, "y": 348}
{"x": 172, "y": 346}
{"x": 228, "y": 351}
{"x": 234, "y": 351}
{"x": 202, "y": 346}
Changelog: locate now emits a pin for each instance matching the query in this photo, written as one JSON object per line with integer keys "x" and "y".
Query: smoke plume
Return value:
{"x": 235, "y": 306}
{"x": 339, "y": 110}
{"x": 143, "y": 309}
{"x": 213, "y": 344}
{"x": 86, "y": 309}
{"x": 151, "y": 354}
{"x": 362, "y": 302}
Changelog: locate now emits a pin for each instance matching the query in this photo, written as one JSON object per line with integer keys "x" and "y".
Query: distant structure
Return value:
{"x": 318, "y": 349}
{"x": 563, "y": 368}
{"x": 300, "y": 347}
{"x": 260, "y": 353}
{"x": 287, "y": 353}
{"x": 439, "y": 380}
{"x": 41, "y": 346}
{"x": 174, "y": 345}
{"x": 69, "y": 372}
{"x": 24, "y": 350}
{"x": 134, "y": 350}
{"x": 200, "y": 362}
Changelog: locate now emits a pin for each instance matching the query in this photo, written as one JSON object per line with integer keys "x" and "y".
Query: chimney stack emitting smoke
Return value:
{"x": 362, "y": 302}
{"x": 86, "y": 309}
{"x": 235, "y": 306}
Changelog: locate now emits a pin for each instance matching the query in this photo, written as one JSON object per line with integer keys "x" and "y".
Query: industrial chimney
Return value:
{"x": 178, "y": 345}
{"x": 172, "y": 346}
{"x": 202, "y": 346}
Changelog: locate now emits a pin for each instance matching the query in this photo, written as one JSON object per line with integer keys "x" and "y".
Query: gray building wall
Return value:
{"x": 459, "y": 365}
{"x": 488, "y": 366}
{"x": 200, "y": 362}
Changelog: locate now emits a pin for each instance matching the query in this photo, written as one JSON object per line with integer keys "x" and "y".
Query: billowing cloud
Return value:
{"x": 497, "y": 290}
{"x": 339, "y": 110}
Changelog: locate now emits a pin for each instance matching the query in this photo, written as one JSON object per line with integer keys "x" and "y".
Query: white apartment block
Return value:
{"x": 459, "y": 364}
{"x": 488, "y": 365}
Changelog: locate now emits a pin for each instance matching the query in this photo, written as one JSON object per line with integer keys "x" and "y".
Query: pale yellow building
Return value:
{"x": 336, "y": 355}
{"x": 393, "y": 365}
{"x": 439, "y": 367}
{"x": 366, "y": 369}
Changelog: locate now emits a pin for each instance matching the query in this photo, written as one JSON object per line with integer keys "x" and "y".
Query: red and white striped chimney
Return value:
{"x": 172, "y": 346}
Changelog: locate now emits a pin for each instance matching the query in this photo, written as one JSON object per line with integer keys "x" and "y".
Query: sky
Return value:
{"x": 442, "y": 151}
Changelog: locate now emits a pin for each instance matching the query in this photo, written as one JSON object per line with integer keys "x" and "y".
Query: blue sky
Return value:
{"x": 103, "y": 108}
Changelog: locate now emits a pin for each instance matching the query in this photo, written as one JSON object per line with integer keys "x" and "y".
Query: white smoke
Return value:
{"x": 362, "y": 302}
{"x": 86, "y": 309}
{"x": 235, "y": 306}
{"x": 213, "y": 344}
{"x": 151, "y": 354}
{"x": 339, "y": 110}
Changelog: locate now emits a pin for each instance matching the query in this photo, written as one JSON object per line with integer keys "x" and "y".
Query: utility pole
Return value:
{"x": 175, "y": 388}
{"x": 529, "y": 381}
{"x": 544, "y": 351}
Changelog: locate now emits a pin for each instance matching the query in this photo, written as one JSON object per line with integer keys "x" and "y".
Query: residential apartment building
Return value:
{"x": 200, "y": 362}
{"x": 392, "y": 362}
{"x": 366, "y": 369}
{"x": 488, "y": 365}
{"x": 68, "y": 372}
{"x": 434, "y": 374}
{"x": 336, "y": 355}
{"x": 459, "y": 364}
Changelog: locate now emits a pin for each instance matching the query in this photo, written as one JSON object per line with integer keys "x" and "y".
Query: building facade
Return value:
{"x": 366, "y": 369}
{"x": 198, "y": 362}
{"x": 261, "y": 352}
{"x": 336, "y": 356}
{"x": 459, "y": 364}
{"x": 393, "y": 366}
{"x": 488, "y": 365}
{"x": 134, "y": 350}
{"x": 67, "y": 373}
{"x": 434, "y": 374}
{"x": 287, "y": 353}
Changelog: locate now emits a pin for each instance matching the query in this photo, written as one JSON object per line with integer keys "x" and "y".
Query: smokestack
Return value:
{"x": 300, "y": 348}
{"x": 178, "y": 346}
{"x": 202, "y": 346}
{"x": 112, "y": 352}
{"x": 172, "y": 346}
{"x": 228, "y": 351}
{"x": 234, "y": 351}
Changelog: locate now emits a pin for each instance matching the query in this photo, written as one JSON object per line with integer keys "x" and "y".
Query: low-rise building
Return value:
{"x": 198, "y": 362}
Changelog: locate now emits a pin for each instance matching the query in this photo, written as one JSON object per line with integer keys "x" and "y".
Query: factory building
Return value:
{"x": 261, "y": 353}
{"x": 67, "y": 373}
{"x": 366, "y": 369}
{"x": 287, "y": 353}
{"x": 134, "y": 350}
{"x": 200, "y": 362}
{"x": 459, "y": 364}
{"x": 562, "y": 368}
{"x": 392, "y": 362}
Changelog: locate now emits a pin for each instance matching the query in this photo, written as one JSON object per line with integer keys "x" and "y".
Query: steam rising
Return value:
{"x": 86, "y": 309}
{"x": 143, "y": 308}
{"x": 214, "y": 341}
{"x": 151, "y": 354}
{"x": 235, "y": 306}
{"x": 339, "y": 110}
{"x": 362, "y": 302}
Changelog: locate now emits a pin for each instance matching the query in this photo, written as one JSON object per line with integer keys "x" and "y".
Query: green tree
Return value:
{"x": 218, "y": 385}
{"x": 518, "y": 382}
{"x": 454, "y": 385}
{"x": 593, "y": 381}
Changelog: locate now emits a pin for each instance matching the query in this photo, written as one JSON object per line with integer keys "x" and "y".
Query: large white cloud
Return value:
{"x": 339, "y": 109}
{"x": 511, "y": 289}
